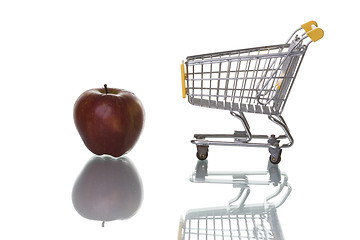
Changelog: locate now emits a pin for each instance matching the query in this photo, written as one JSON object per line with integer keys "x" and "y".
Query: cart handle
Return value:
{"x": 183, "y": 78}
{"x": 313, "y": 31}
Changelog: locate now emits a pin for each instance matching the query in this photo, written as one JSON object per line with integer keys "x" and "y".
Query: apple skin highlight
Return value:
{"x": 109, "y": 120}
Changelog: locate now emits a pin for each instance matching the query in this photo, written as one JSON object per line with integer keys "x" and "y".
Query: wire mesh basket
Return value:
{"x": 244, "y": 80}
{"x": 248, "y": 223}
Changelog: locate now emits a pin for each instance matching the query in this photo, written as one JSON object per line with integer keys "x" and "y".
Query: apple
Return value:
{"x": 107, "y": 189}
{"x": 109, "y": 120}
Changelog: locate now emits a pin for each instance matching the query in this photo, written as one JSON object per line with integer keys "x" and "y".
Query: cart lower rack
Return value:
{"x": 253, "y": 222}
{"x": 252, "y": 80}
{"x": 237, "y": 221}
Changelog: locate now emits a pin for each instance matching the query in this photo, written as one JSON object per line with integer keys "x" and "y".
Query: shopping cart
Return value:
{"x": 253, "y": 80}
{"x": 240, "y": 220}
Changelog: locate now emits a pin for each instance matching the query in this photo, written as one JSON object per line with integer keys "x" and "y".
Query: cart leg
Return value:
{"x": 202, "y": 151}
{"x": 279, "y": 120}
{"x": 241, "y": 197}
{"x": 245, "y": 123}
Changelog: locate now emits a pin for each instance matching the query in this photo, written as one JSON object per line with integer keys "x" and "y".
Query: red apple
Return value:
{"x": 107, "y": 189}
{"x": 109, "y": 120}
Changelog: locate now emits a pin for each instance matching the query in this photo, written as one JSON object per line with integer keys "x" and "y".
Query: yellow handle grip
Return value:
{"x": 183, "y": 77}
{"x": 308, "y": 26}
{"x": 313, "y": 31}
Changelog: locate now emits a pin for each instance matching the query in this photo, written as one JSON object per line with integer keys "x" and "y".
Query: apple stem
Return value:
{"x": 103, "y": 224}
{"x": 106, "y": 90}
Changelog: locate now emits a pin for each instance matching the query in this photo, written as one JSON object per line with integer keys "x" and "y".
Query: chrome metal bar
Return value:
{"x": 198, "y": 228}
{"x": 238, "y": 226}
{"x": 222, "y": 227}
{"x": 202, "y": 81}
{"x": 237, "y": 134}
{"x": 255, "y": 77}
{"x": 281, "y": 122}
{"x": 214, "y": 226}
{"x": 227, "y": 81}
{"x": 218, "y": 85}
{"x": 230, "y": 229}
{"x": 236, "y": 79}
{"x": 189, "y": 230}
{"x": 242, "y": 202}
{"x": 240, "y": 58}
{"x": 247, "y": 79}
{"x": 293, "y": 35}
{"x": 247, "y": 226}
{"x": 235, "y": 143}
{"x": 245, "y": 123}
{"x": 211, "y": 65}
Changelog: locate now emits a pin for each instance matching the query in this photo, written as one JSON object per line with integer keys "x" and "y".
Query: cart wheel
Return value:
{"x": 202, "y": 151}
{"x": 202, "y": 156}
{"x": 275, "y": 160}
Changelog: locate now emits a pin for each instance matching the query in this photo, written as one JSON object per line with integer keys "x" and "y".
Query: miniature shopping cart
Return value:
{"x": 253, "y": 80}
{"x": 240, "y": 220}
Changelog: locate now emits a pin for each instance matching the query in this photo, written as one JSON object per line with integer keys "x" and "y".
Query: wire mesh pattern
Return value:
{"x": 233, "y": 226}
{"x": 245, "y": 80}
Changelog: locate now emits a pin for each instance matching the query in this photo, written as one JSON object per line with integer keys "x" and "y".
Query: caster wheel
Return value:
{"x": 275, "y": 160}
{"x": 202, "y": 156}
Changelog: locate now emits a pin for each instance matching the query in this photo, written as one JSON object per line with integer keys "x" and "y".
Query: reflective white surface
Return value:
{"x": 51, "y": 51}
{"x": 239, "y": 218}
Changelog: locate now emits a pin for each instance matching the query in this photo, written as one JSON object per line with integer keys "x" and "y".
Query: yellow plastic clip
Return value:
{"x": 183, "y": 78}
{"x": 315, "y": 34}
{"x": 313, "y": 31}
{"x": 308, "y": 26}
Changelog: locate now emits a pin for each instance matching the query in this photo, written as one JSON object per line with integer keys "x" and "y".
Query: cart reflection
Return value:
{"x": 238, "y": 219}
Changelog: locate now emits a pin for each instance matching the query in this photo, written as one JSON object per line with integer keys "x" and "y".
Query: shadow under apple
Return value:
{"x": 107, "y": 189}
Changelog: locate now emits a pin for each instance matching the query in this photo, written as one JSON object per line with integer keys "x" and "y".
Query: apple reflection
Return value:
{"x": 108, "y": 189}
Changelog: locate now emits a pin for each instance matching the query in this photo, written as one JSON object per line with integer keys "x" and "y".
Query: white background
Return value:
{"x": 52, "y": 51}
